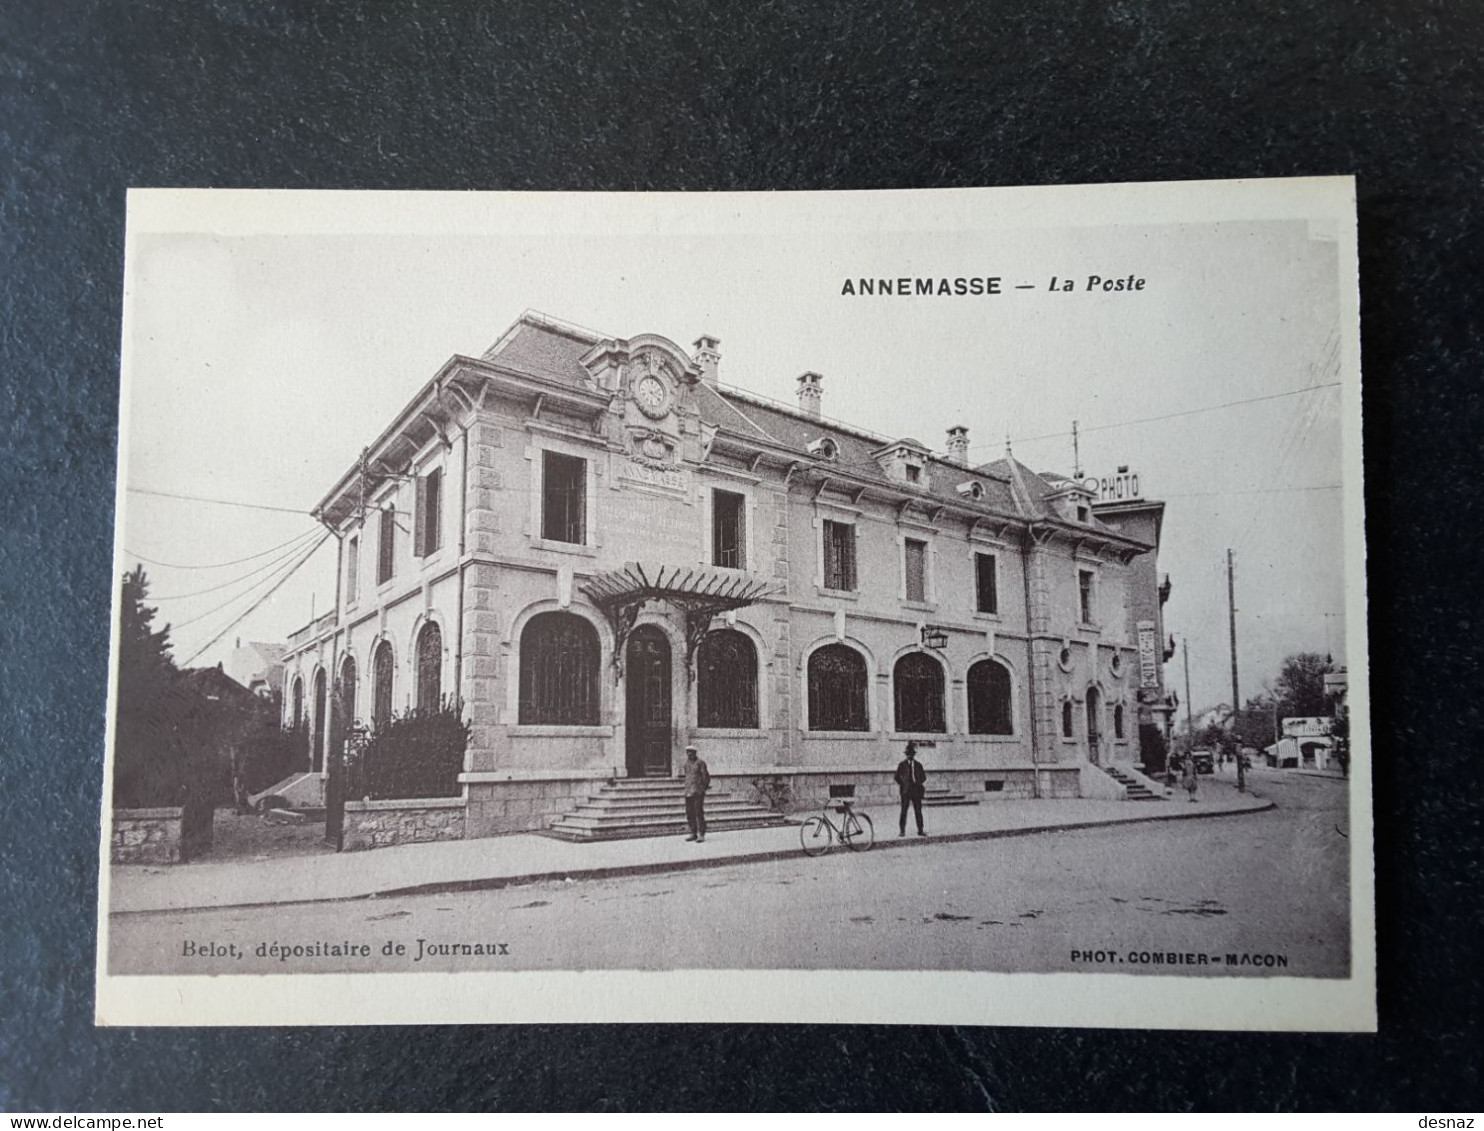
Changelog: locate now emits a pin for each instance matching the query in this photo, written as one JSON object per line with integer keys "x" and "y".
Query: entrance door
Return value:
{"x": 1094, "y": 727}
{"x": 320, "y": 723}
{"x": 647, "y": 715}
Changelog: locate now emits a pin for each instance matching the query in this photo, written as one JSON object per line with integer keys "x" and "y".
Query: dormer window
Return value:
{"x": 823, "y": 448}
{"x": 914, "y": 473}
{"x": 1084, "y": 514}
{"x": 905, "y": 461}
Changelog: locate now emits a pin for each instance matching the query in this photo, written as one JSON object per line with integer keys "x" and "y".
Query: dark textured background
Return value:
{"x": 759, "y": 95}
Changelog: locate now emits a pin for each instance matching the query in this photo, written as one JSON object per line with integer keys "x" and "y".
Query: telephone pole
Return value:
{"x": 1231, "y": 608}
{"x": 1189, "y": 721}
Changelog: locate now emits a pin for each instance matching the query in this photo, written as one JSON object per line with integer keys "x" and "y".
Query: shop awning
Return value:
{"x": 700, "y": 594}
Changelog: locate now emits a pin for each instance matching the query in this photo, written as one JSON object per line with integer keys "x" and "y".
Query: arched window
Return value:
{"x": 321, "y": 701}
{"x": 837, "y": 689}
{"x": 1066, "y": 718}
{"x": 429, "y": 667}
{"x": 559, "y": 659}
{"x": 917, "y": 681}
{"x": 381, "y": 681}
{"x": 1118, "y": 721}
{"x": 348, "y": 690}
{"x": 298, "y": 701}
{"x": 989, "y": 698}
{"x": 726, "y": 680}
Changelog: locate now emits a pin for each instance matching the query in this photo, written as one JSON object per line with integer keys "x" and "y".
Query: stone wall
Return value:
{"x": 520, "y": 806}
{"x": 380, "y": 824}
{"x": 145, "y": 836}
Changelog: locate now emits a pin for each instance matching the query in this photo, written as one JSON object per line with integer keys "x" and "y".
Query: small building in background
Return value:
{"x": 1307, "y": 744}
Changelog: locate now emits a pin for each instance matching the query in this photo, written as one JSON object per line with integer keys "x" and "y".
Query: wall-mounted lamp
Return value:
{"x": 934, "y": 637}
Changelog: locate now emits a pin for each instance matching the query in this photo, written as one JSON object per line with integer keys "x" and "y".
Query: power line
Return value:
{"x": 248, "y": 612}
{"x": 1171, "y": 415}
{"x": 220, "y": 502}
{"x": 274, "y": 563}
{"x": 1255, "y": 491}
{"x": 306, "y": 555}
{"x": 305, "y": 536}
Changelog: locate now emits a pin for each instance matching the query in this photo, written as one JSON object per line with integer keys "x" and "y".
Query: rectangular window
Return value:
{"x": 564, "y": 498}
{"x": 839, "y": 555}
{"x": 987, "y": 593}
{"x": 1084, "y": 594}
{"x": 427, "y": 530}
{"x": 728, "y": 530}
{"x": 352, "y": 570}
{"x": 915, "y": 562}
{"x": 914, "y": 474}
{"x": 386, "y": 558}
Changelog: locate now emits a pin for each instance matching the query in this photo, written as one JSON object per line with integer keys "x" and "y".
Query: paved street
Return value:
{"x": 1264, "y": 884}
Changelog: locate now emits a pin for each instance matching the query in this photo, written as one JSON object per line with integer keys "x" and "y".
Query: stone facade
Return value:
{"x": 663, "y": 450}
{"x": 145, "y": 836}
{"x": 381, "y": 824}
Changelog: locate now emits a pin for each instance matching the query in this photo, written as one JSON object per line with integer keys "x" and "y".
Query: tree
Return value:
{"x": 1299, "y": 688}
{"x": 148, "y": 762}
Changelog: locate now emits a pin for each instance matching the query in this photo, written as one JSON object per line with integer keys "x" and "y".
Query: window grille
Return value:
{"x": 728, "y": 530}
{"x": 564, "y": 498}
{"x": 559, "y": 661}
{"x": 381, "y": 684}
{"x": 429, "y": 667}
{"x": 837, "y": 689}
{"x": 386, "y": 558}
{"x": 839, "y": 555}
{"x": 989, "y": 698}
{"x": 987, "y": 584}
{"x": 915, "y": 554}
{"x": 918, "y": 685}
{"x": 726, "y": 685}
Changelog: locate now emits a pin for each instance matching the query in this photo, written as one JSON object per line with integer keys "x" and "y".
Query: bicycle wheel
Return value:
{"x": 858, "y": 834}
{"x": 815, "y": 835}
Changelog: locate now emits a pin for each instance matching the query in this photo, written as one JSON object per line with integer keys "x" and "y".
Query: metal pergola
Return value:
{"x": 700, "y": 594}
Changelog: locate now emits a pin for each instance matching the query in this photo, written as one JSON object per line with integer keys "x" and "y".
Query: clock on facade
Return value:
{"x": 652, "y": 397}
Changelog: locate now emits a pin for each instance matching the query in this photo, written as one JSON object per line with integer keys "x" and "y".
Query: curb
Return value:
{"x": 619, "y": 871}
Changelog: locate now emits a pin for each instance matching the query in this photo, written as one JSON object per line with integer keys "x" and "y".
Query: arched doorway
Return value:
{"x": 321, "y": 720}
{"x": 1094, "y": 725}
{"x": 647, "y": 705}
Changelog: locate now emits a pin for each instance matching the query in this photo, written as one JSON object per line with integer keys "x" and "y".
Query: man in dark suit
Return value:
{"x": 911, "y": 779}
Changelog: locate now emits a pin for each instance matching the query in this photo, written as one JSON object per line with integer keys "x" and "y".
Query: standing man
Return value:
{"x": 697, "y": 782}
{"x": 911, "y": 779}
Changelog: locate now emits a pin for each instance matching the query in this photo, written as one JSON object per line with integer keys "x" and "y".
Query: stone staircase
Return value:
{"x": 942, "y": 796}
{"x": 1133, "y": 788}
{"x": 636, "y": 807}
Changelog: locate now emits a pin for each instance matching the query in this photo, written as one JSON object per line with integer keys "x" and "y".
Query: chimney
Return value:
{"x": 811, "y": 390}
{"x": 958, "y": 445}
{"x": 708, "y": 357}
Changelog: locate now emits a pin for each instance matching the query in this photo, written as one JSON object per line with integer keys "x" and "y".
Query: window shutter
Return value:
{"x": 420, "y": 520}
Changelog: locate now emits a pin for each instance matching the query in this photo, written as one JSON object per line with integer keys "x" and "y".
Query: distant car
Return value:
{"x": 1205, "y": 761}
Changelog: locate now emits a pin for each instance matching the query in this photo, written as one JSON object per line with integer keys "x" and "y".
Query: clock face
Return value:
{"x": 652, "y": 396}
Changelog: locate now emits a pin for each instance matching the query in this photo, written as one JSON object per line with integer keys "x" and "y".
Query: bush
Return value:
{"x": 417, "y": 754}
{"x": 271, "y": 753}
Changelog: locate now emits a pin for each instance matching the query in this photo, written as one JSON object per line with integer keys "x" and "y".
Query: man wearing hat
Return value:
{"x": 697, "y": 782}
{"x": 910, "y": 783}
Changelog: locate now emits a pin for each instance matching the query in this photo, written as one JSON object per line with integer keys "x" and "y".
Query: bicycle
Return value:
{"x": 818, "y": 834}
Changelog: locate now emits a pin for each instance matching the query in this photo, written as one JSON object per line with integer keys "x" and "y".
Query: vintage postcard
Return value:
{"x": 908, "y": 607}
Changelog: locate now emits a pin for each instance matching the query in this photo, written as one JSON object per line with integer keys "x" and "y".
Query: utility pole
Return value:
{"x": 1076, "y": 455}
{"x": 1189, "y": 721}
{"x": 1231, "y": 608}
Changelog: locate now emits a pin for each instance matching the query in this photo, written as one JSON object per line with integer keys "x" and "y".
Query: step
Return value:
{"x": 943, "y": 797}
{"x": 562, "y": 829}
{"x": 600, "y": 813}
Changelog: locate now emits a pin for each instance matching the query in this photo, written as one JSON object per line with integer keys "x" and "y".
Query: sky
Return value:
{"x": 261, "y": 356}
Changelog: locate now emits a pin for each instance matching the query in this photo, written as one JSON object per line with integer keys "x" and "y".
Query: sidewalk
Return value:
{"x": 469, "y": 865}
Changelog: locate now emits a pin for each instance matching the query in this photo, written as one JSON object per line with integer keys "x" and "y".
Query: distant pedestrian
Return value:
{"x": 911, "y": 780}
{"x": 697, "y": 782}
{"x": 1188, "y": 776}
